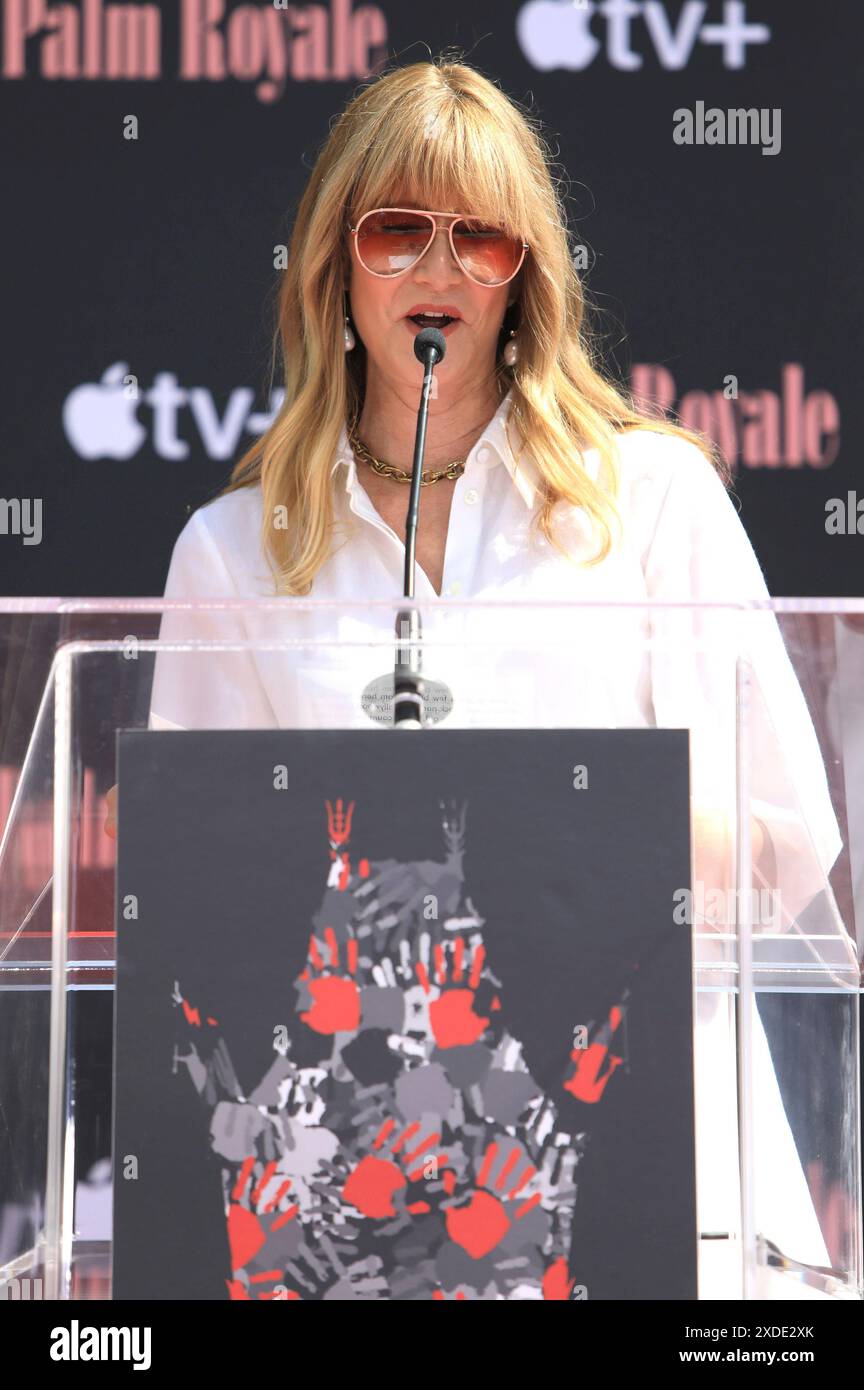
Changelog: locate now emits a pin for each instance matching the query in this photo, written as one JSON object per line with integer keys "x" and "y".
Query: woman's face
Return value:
{"x": 380, "y": 309}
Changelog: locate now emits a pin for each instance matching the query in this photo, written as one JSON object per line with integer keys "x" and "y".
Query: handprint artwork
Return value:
{"x": 398, "y": 1147}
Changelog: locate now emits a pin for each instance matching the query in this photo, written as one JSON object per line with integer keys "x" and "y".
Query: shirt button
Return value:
{"x": 455, "y": 587}
{"x": 483, "y": 455}
{"x": 471, "y": 496}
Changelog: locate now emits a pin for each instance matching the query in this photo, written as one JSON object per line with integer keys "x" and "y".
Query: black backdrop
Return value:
{"x": 709, "y": 261}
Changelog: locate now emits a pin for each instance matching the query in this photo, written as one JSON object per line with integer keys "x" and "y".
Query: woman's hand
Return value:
{"x": 111, "y": 818}
{"x": 713, "y": 844}
{"x": 714, "y": 865}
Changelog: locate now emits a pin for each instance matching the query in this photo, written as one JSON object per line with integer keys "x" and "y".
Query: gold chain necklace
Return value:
{"x": 387, "y": 470}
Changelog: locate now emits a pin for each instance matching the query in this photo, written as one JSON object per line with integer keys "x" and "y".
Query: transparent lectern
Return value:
{"x": 772, "y": 694}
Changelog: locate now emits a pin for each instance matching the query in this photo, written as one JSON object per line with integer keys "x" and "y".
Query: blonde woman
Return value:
{"x": 434, "y": 195}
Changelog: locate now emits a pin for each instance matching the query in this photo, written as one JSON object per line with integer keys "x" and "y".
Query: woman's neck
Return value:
{"x": 388, "y": 424}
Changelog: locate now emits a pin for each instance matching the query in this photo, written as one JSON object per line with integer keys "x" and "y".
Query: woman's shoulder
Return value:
{"x": 219, "y": 547}
{"x": 658, "y": 469}
{"x": 669, "y": 492}
{"x": 228, "y": 521}
{"x": 240, "y": 507}
{"x": 647, "y": 455}
{"x": 644, "y": 452}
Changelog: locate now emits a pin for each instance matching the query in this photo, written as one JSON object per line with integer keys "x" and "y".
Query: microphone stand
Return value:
{"x": 409, "y": 708}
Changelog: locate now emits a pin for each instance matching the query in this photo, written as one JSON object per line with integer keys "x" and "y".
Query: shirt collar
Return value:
{"x": 492, "y": 447}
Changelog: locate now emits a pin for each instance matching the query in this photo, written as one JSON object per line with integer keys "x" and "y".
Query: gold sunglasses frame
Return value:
{"x": 425, "y": 212}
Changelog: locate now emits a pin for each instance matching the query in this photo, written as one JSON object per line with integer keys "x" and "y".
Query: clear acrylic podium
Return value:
{"x": 773, "y": 696}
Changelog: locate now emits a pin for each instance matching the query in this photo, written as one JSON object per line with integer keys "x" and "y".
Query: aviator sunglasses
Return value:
{"x": 390, "y": 241}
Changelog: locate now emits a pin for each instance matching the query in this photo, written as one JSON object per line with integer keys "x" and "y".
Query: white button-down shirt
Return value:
{"x": 602, "y": 658}
{"x": 598, "y": 656}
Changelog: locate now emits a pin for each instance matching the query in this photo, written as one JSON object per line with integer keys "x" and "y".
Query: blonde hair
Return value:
{"x": 443, "y": 135}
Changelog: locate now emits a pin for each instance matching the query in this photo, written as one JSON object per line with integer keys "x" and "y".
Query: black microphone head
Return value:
{"x": 430, "y": 338}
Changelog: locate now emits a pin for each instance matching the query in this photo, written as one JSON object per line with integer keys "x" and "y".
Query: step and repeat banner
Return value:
{"x": 153, "y": 158}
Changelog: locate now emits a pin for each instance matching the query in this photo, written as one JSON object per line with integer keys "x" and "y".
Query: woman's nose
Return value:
{"x": 440, "y": 255}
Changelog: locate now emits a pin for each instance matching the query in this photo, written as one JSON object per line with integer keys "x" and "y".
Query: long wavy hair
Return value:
{"x": 442, "y": 135}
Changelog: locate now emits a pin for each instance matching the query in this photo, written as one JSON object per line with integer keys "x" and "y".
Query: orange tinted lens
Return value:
{"x": 487, "y": 253}
{"x": 389, "y": 242}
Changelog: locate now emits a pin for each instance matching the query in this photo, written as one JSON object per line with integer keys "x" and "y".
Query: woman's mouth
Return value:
{"x": 446, "y": 324}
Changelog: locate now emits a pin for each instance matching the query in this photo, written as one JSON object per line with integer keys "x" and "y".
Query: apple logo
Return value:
{"x": 99, "y": 418}
{"x": 556, "y": 34}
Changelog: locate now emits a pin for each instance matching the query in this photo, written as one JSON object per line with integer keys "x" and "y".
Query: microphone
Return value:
{"x": 430, "y": 347}
{"x": 430, "y": 338}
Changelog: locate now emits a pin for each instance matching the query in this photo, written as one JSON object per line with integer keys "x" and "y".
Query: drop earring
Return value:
{"x": 511, "y": 349}
{"x": 347, "y": 333}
